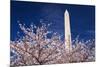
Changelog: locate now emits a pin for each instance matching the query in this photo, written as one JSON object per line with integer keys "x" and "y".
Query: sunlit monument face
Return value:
{"x": 51, "y": 33}
{"x": 67, "y": 30}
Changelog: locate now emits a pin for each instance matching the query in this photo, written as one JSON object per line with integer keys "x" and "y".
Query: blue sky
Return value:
{"x": 82, "y": 17}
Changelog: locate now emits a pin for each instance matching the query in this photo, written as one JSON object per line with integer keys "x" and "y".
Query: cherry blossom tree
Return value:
{"x": 35, "y": 48}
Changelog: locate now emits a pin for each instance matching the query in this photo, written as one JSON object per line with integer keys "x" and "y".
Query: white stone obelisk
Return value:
{"x": 67, "y": 31}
